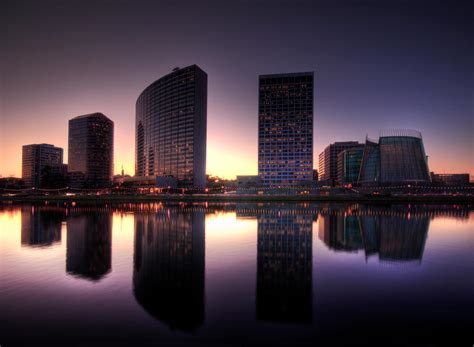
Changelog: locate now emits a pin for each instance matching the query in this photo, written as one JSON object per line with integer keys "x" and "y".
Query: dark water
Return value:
{"x": 153, "y": 274}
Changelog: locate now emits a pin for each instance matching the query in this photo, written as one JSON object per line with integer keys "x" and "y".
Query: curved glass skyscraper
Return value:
{"x": 399, "y": 157}
{"x": 171, "y": 120}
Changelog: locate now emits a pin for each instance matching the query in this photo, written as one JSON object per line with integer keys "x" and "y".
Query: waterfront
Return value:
{"x": 236, "y": 273}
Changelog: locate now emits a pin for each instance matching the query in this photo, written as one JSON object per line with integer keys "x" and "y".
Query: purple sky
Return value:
{"x": 377, "y": 64}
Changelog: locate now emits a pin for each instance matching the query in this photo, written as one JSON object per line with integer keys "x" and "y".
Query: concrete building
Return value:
{"x": 450, "y": 179}
{"x": 248, "y": 184}
{"x": 171, "y": 121}
{"x": 91, "y": 151}
{"x": 37, "y": 159}
{"x": 285, "y": 129}
{"x": 328, "y": 160}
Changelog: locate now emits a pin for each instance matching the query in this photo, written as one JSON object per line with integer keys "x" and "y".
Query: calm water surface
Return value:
{"x": 236, "y": 274}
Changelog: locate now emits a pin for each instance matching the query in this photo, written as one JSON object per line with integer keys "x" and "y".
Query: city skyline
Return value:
{"x": 398, "y": 68}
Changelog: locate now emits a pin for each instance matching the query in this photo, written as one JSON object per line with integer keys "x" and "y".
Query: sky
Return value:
{"x": 377, "y": 65}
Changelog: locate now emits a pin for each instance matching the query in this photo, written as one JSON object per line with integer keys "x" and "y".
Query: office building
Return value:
{"x": 348, "y": 165}
{"x": 285, "y": 129}
{"x": 328, "y": 160}
{"x": 37, "y": 159}
{"x": 450, "y": 179}
{"x": 171, "y": 121}
{"x": 397, "y": 158}
{"x": 91, "y": 151}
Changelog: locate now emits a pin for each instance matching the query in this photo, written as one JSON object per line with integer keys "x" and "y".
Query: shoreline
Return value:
{"x": 235, "y": 198}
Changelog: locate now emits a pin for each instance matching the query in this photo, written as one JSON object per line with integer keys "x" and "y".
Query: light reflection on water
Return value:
{"x": 238, "y": 273}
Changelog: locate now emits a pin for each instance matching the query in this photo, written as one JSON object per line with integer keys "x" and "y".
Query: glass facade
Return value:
{"x": 36, "y": 158}
{"x": 348, "y": 165}
{"x": 370, "y": 165}
{"x": 328, "y": 159}
{"x": 91, "y": 151}
{"x": 171, "y": 121}
{"x": 399, "y": 157}
{"x": 285, "y": 129}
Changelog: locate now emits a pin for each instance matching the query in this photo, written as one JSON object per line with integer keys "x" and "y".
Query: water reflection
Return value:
{"x": 284, "y": 268}
{"x": 168, "y": 277}
{"x": 41, "y": 226}
{"x": 284, "y": 261}
{"x": 89, "y": 244}
{"x": 395, "y": 239}
{"x": 263, "y": 275}
{"x": 391, "y": 237}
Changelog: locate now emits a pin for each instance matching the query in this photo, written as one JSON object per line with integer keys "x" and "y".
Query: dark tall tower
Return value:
{"x": 36, "y": 159}
{"x": 171, "y": 121}
{"x": 285, "y": 129}
{"x": 91, "y": 150}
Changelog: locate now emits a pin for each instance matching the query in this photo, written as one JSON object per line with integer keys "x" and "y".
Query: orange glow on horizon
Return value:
{"x": 222, "y": 161}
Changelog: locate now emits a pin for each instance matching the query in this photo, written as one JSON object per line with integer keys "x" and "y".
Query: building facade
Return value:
{"x": 348, "y": 165}
{"x": 450, "y": 179}
{"x": 37, "y": 159}
{"x": 91, "y": 151}
{"x": 328, "y": 160}
{"x": 171, "y": 122}
{"x": 398, "y": 157}
{"x": 285, "y": 129}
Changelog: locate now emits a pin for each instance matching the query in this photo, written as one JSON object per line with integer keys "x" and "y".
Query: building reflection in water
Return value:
{"x": 284, "y": 262}
{"x": 41, "y": 226}
{"x": 89, "y": 244}
{"x": 168, "y": 276}
{"x": 393, "y": 238}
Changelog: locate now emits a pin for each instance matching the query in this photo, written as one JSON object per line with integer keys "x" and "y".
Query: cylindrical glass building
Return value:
{"x": 399, "y": 157}
{"x": 171, "y": 120}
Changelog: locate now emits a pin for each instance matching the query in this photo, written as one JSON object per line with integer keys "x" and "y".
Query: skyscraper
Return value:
{"x": 171, "y": 122}
{"x": 285, "y": 128}
{"x": 328, "y": 159}
{"x": 91, "y": 150}
{"x": 36, "y": 159}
